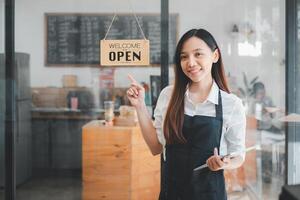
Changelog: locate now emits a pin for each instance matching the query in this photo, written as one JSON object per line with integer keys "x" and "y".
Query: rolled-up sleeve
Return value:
{"x": 236, "y": 130}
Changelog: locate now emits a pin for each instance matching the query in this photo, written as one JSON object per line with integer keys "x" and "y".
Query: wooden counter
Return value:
{"x": 117, "y": 164}
{"x": 66, "y": 113}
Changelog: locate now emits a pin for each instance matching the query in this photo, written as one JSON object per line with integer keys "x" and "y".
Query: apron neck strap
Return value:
{"x": 219, "y": 107}
{"x": 219, "y": 116}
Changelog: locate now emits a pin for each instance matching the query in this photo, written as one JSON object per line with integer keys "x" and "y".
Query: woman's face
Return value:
{"x": 196, "y": 59}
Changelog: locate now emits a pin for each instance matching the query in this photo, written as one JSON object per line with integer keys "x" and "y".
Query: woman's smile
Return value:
{"x": 195, "y": 70}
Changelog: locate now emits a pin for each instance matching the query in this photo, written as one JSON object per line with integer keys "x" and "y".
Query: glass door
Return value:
{"x": 251, "y": 36}
{"x": 62, "y": 89}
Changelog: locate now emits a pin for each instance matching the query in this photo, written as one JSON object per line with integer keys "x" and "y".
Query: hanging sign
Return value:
{"x": 124, "y": 52}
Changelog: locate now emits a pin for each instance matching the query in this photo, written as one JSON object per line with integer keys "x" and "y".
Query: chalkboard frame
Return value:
{"x": 46, "y": 15}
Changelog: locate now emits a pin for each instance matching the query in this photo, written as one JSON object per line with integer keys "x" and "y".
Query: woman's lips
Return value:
{"x": 194, "y": 71}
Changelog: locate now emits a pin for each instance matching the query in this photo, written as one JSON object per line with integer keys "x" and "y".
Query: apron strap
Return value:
{"x": 219, "y": 109}
{"x": 219, "y": 116}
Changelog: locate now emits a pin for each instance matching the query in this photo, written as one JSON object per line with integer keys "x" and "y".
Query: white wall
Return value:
{"x": 217, "y": 16}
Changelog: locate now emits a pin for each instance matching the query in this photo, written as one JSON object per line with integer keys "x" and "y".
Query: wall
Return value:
{"x": 267, "y": 18}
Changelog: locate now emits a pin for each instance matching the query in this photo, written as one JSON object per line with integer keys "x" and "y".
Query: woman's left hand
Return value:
{"x": 216, "y": 162}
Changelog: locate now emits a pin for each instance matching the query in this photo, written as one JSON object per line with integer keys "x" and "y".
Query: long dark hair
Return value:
{"x": 173, "y": 122}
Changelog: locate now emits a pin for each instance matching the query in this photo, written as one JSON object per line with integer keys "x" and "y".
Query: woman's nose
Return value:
{"x": 191, "y": 62}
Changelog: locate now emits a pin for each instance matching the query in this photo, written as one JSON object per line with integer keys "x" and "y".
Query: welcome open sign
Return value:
{"x": 124, "y": 52}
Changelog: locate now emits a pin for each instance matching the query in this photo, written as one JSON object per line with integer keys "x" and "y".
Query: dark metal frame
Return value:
{"x": 164, "y": 69}
{"x": 292, "y": 104}
{"x": 164, "y": 33}
{"x": 10, "y": 172}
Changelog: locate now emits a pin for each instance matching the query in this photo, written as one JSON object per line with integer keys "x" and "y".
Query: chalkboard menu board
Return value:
{"x": 73, "y": 39}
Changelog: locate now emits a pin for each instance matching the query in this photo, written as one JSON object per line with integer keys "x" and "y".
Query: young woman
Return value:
{"x": 197, "y": 121}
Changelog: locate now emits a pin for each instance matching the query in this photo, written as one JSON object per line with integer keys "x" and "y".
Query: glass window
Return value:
{"x": 62, "y": 89}
{"x": 251, "y": 37}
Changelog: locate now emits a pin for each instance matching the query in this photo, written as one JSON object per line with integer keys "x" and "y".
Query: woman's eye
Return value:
{"x": 198, "y": 54}
{"x": 183, "y": 57}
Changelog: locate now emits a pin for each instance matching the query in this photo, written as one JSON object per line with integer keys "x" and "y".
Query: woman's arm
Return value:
{"x": 136, "y": 95}
{"x": 148, "y": 130}
{"x": 235, "y": 139}
{"x": 235, "y": 135}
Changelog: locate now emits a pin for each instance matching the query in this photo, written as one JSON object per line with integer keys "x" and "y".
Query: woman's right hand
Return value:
{"x": 136, "y": 93}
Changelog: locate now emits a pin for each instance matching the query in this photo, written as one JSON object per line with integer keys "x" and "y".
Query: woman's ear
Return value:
{"x": 216, "y": 56}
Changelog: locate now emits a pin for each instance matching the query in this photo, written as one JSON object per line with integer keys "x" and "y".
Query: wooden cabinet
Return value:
{"x": 117, "y": 164}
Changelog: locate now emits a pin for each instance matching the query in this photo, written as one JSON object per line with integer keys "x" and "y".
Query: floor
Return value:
{"x": 68, "y": 188}
{"x": 49, "y": 189}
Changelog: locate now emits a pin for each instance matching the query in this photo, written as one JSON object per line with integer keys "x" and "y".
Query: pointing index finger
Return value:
{"x": 131, "y": 79}
{"x": 134, "y": 82}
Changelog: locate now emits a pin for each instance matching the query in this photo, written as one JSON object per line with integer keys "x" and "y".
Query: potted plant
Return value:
{"x": 247, "y": 92}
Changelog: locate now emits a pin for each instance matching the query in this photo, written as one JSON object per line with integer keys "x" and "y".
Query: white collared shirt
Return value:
{"x": 234, "y": 118}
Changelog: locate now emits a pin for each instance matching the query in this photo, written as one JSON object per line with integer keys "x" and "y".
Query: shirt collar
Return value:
{"x": 213, "y": 95}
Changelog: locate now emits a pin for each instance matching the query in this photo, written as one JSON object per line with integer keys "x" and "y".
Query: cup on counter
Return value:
{"x": 74, "y": 103}
{"x": 108, "y": 111}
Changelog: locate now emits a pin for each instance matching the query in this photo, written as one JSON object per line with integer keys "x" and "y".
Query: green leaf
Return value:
{"x": 254, "y": 80}
{"x": 245, "y": 81}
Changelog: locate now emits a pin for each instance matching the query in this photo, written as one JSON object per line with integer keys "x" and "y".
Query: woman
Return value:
{"x": 196, "y": 122}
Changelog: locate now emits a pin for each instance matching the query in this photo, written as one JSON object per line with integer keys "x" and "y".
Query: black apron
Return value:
{"x": 180, "y": 182}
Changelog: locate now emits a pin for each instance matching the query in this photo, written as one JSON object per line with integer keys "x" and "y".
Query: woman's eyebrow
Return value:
{"x": 198, "y": 49}
{"x": 194, "y": 50}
